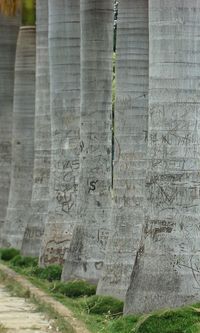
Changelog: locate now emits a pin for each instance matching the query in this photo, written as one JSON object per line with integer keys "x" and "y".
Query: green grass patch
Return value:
{"x": 193, "y": 329}
{"x": 124, "y": 324}
{"x": 100, "y": 314}
{"x": 76, "y": 288}
{"x": 24, "y": 262}
{"x": 103, "y": 305}
{"x": 169, "y": 321}
{"x": 50, "y": 273}
{"x": 59, "y": 324}
{"x": 15, "y": 289}
{"x": 8, "y": 254}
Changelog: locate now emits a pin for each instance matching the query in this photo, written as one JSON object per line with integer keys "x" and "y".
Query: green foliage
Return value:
{"x": 50, "y": 273}
{"x": 8, "y": 254}
{"x": 122, "y": 324}
{"x": 170, "y": 321}
{"x": 28, "y": 12}
{"x": 20, "y": 261}
{"x": 103, "y": 305}
{"x": 193, "y": 329}
{"x": 100, "y": 313}
{"x": 75, "y": 288}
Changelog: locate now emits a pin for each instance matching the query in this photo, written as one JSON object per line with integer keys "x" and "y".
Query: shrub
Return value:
{"x": 50, "y": 273}
{"x": 20, "y": 261}
{"x": 102, "y": 305}
{"x": 76, "y": 288}
{"x": 8, "y": 254}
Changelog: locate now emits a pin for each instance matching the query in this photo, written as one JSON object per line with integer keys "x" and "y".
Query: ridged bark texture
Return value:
{"x": 167, "y": 268}
{"x": 9, "y": 28}
{"x": 87, "y": 250}
{"x": 64, "y": 52}
{"x": 130, "y": 131}
{"x": 42, "y": 147}
{"x": 22, "y": 140}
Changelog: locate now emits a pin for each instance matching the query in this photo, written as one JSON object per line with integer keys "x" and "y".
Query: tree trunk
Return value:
{"x": 87, "y": 248}
{"x": 42, "y": 147}
{"x": 9, "y": 27}
{"x": 64, "y": 52}
{"x": 167, "y": 267}
{"x": 22, "y": 140}
{"x": 130, "y": 132}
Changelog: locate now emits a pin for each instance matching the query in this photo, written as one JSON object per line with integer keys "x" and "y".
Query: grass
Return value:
{"x": 103, "y": 305}
{"x": 17, "y": 290}
{"x": 8, "y": 254}
{"x": 21, "y": 261}
{"x": 170, "y": 321}
{"x": 50, "y": 273}
{"x": 74, "y": 289}
{"x": 104, "y": 314}
{"x": 59, "y": 324}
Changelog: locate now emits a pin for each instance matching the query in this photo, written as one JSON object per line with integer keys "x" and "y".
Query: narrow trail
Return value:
{"x": 20, "y": 316}
{"x": 77, "y": 325}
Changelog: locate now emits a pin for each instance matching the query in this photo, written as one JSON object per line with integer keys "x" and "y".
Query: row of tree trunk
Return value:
{"x": 132, "y": 227}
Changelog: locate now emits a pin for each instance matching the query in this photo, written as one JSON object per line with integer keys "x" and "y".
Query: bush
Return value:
{"x": 50, "y": 273}
{"x": 20, "y": 261}
{"x": 76, "y": 288}
{"x": 102, "y": 305}
{"x": 8, "y": 254}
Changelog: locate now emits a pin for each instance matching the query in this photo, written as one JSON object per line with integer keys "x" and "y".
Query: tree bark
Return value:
{"x": 64, "y": 52}
{"x": 9, "y": 27}
{"x": 130, "y": 132}
{"x": 22, "y": 140}
{"x": 87, "y": 250}
{"x": 42, "y": 140}
{"x": 167, "y": 268}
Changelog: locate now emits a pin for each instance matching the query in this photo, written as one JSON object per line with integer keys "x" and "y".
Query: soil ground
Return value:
{"x": 64, "y": 312}
{"x": 20, "y": 316}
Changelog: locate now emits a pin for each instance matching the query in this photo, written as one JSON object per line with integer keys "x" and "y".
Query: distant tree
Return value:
{"x": 27, "y": 7}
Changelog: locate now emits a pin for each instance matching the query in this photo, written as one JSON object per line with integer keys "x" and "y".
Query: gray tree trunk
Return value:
{"x": 167, "y": 268}
{"x": 22, "y": 140}
{"x": 9, "y": 27}
{"x": 87, "y": 250}
{"x": 64, "y": 52}
{"x": 132, "y": 78}
{"x": 42, "y": 147}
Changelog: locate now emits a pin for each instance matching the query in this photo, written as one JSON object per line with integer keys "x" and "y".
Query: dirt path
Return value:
{"x": 20, "y": 316}
{"x": 64, "y": 312}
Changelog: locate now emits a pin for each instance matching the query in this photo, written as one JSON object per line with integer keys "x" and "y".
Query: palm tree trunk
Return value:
{"x": 130, "y": 146}
{"x": 167, "y": 267}
{"x": 22, "y": 140}
{"x": 64, "y": 52}
{"x": 9, "y": 27}
{"x": 87, "y": 248}
{"x": 42, "y": 147}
